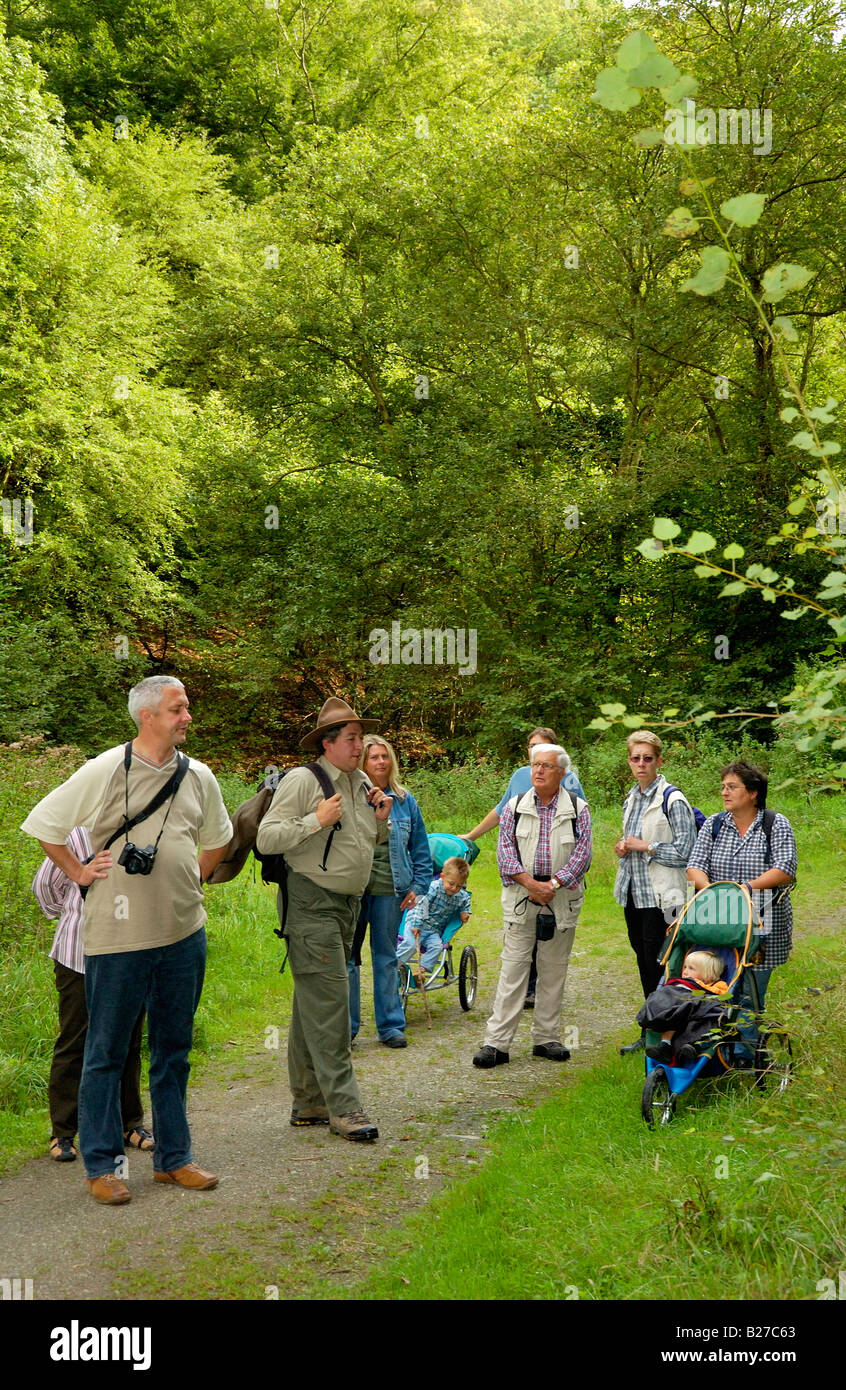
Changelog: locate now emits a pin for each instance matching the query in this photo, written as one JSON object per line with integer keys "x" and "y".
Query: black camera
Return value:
{"x": 137, "y": 861}
{"x": 545, "y": 926}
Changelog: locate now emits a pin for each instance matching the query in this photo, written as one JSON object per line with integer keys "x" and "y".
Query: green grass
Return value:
{"x": 739, "y": 1198}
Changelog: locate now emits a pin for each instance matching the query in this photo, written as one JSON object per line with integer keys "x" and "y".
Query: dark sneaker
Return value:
{"x": 310, "y": 1115}
{"x": 355, "y": 1126}
{"x": 62, "y": 1150}
{"x": 688, "y": 1054}
{"x": 554, "y": 1052}
{"x": 661, "y": 1052}
{"x": 396, "y": 1040}
{"x": 490, "y": 1057}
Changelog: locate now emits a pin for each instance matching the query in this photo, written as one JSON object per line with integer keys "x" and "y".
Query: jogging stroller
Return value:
{"x": 719, "y": 918}
{"x": 443, "y": 846}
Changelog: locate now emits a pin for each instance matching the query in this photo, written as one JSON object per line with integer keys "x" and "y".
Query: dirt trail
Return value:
{"x": 328, "y": 1203}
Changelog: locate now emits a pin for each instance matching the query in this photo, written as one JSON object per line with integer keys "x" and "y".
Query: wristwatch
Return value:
{"x": 652, "y": 846}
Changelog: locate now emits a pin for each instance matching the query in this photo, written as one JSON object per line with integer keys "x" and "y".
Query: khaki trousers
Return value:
{"x": 553, "y": 959}
{"x": 319, "y": 932}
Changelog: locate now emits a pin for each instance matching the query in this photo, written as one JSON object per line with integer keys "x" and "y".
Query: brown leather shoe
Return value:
{"x": 108, "y": 1188}
{"x": 190, "y": 1175}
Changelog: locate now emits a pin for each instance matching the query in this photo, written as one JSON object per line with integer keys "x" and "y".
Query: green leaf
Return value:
{"x": 665, "y": 529}
{"x": 613, "y": 711}
{"x": 680, "y": 223}
{"x": 600, "y": 724}
{"x": 705, "y": 571}
{"x": 712, "y": 272}
{"x": 699, "y": 542}
{"x": 767, "y": 1177}
{"x": 825, "y": 448}
{"x": 669, "y": 714}
{"x": 613, "y": 91}
{"x": 789, "y": 413}
{"x": 688, "y": 186}
{"x": 745, "y": 209}
{"x": 736, "y": 587}
{"x": 768, "y": 595}
{"x": 784, "y": 327}
{"x": 797, "y": 505}
{"x": 649, "y": 136}
{"x": 651, "y": 549}
{"x": 686, "y": 86}
{"x": 733, "y": 552}
{"x": 793, "y": 613}
{"x": 654, "y": 71}
{"x": 635, "y": 48}
{"x": 780, "y": 279}
{"x": 823, "y": 412}
{"x": 633, "y": 721}
{"x": 803, "y": 440}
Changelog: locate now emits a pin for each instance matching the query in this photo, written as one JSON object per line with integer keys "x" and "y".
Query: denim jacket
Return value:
{"x": 411, "y": 862}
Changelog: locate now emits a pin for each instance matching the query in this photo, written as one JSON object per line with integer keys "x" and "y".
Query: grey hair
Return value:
{"x": 147, "y": 694}
{"x": 562, "y": 756}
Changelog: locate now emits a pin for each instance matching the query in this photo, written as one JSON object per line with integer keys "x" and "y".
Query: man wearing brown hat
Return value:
{"x": 324, "y": 889}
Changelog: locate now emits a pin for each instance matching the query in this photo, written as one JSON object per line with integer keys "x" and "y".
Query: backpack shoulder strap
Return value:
{"x": 717, "y": 824}
{"x": 327, "y": 786}
{"x": 768, "y": 821}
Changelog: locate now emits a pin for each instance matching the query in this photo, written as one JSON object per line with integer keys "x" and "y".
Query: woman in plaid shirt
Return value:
{"x": 740, "y": 853}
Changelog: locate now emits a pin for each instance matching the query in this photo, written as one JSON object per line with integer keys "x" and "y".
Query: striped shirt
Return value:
{"x": 736, "y": 858}
{"x": 58, "y": 896}
{"x": 508, "y": 855}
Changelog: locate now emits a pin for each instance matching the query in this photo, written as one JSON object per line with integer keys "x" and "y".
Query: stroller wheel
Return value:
{"x": 773, "y": 1063}
{"x": 468, "y": 976}
{"x": 657, "y": 1103}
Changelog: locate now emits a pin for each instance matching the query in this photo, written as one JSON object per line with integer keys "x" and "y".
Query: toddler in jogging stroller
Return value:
{"x": 719, "y": 921}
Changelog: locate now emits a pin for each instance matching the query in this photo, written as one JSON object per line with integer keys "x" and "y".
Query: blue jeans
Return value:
{"x": 431, "y": 946}
{"x": 169, "y": 979}
{"x": 382, "y": 910}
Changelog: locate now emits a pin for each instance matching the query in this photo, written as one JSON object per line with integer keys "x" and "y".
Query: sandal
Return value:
{"x": 139, "y": 1139}
{"x": 62, "y": 1150}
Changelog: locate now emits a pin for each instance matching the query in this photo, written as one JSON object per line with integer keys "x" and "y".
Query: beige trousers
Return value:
{"x": 553, "y": 959}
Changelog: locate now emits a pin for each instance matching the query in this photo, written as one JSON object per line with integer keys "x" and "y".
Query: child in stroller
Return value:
{"x": 679, "y": 1014}
{"x": 446, "y": 897}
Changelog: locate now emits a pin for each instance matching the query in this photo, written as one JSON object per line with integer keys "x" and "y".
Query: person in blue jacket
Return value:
{"x": 521, "y": 781}
{"x": 402, "y": 871}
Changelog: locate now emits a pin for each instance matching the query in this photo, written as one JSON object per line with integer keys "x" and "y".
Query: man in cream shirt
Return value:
{"x": 324, "y": 891}
{"x": 144, "y": 933}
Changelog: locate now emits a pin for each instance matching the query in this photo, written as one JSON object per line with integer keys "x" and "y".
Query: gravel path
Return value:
{"x": 296, "y": 1209}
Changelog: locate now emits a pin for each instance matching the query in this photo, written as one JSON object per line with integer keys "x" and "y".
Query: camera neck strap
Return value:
{"x": 169, "y": 790}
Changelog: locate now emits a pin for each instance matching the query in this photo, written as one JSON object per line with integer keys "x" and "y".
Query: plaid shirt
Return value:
{"x": 58, "y": 896}
{"x": 437, "y": 908}
{"x": 508, "y": 855}
{"x": 633, "y": 868}
{"x": 737, "y": 859}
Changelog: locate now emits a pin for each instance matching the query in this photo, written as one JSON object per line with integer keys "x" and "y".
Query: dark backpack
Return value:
{"x": 767, "y": 827}
{"x": 245, "y": 827}
{"x": 699, "y": 816}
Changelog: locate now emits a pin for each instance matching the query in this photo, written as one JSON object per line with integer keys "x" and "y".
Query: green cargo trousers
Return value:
{"x": 319, "y": 932}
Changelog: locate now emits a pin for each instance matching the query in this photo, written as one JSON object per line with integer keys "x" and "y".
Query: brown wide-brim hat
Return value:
{"x": 336, "y": 712}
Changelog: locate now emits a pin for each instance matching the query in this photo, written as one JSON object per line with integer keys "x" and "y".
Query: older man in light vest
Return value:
{"x": 543, "y": 854}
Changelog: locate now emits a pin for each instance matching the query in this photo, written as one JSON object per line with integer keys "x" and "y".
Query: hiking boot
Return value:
{"x": 660, "y": 1052}
{"x": 395, "y": 1040}
{"x": 688, "y": 1054}
{"x": 490, "y": 1057}
{"x": 529, "y": 1001}
{"x": 108, "y": 1188}
{"x": 632, "y": 1047}
{"x": 309, "y": 1115}
{"x": 554, "y": 1052}
{"x": 355, "y": 1126}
